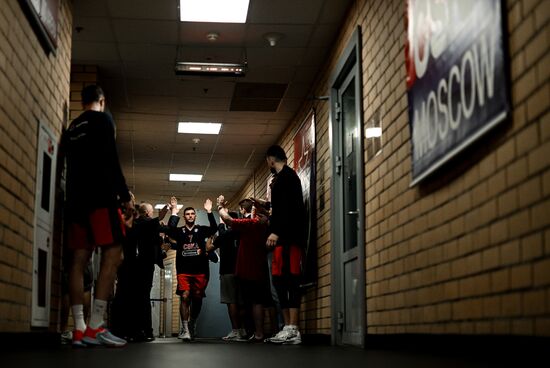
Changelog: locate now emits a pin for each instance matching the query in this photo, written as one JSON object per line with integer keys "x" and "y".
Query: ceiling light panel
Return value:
{"x": 199, "y": 128}
{"x": 185, "y": 177}
{"x": 160, "y": 206}
{"x": 212, "y": 69}
{"x": 215, "y": 11}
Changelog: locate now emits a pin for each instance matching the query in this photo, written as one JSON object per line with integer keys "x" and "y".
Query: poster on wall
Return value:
{"x": 44, "y": 18}
{"x": 304, "y": 165}
{"x": 457, "y": 86}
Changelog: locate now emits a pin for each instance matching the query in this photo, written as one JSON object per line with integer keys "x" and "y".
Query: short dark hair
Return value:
{"x": 277, "y": 152}
{"x": 187, "y": 209}
{"x": 246, "y": 204}
{"x": 92, "y": 93}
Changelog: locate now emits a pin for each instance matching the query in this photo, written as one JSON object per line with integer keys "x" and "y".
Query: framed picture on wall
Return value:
{"x": 305, "y": 167}
{"x": 43, "y": 16}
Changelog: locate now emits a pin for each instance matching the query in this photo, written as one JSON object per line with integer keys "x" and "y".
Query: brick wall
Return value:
{"x": 33, "y": 86}
{"x": 81, "y": 76}
{"x": 469, "y": 252}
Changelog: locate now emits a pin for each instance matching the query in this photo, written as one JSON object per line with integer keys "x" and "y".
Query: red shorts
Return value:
{"x": 283, "y": 264}
{"x": 104, "y": 226}
{"x": 195, "y": 284}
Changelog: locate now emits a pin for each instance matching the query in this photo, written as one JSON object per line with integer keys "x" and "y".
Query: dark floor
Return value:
{"x": 206, "y": 353}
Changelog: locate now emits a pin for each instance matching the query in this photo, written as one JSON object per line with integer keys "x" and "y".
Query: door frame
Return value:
{"x": 348, "y": 63}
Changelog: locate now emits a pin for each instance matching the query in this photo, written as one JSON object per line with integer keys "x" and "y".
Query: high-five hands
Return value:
{"x": 208, "y": 205}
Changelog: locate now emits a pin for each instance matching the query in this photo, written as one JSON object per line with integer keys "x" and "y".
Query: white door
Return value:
{"x": 169, "y": 273}
{"x": 43, "y": 226}
{"x": 156, "y": 303}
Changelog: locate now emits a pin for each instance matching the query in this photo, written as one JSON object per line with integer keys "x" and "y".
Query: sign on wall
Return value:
{"x": 304, "y": 165}
{"x": 44, "y": 18}
{"x": 457, "y": 86}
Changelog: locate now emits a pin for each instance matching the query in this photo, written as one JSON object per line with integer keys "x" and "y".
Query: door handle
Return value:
{"x": 353, "y": 213}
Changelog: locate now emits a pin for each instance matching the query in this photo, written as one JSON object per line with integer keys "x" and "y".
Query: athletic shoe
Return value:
{"x": 235, "y": 335}
{"x": 77, "y": 337}
{"x": 288, "y": 336}
{"x": 185, "y": 335}
{"x": 180, "y": 336}
{"x": 279, "y": 336}
{"x": 192, "y": 328}
{"x": 66, "y": 337}
{"x": 102, "y": 336}
{"x": 294, "y": 339}
{"x": 253, "y": 339}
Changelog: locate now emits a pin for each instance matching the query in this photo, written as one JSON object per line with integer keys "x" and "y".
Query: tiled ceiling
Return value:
{"x": 135, "y": 44}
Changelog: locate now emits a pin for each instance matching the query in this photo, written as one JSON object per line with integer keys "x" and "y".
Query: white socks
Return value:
{"x": 78, "y": 317}
{"x": 186, "y": 326}
{"x": 98, "y": 311}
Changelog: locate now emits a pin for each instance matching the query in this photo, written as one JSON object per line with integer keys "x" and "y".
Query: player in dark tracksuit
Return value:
{"x": 191, "y": 262}
{"x": 287, "y": 239}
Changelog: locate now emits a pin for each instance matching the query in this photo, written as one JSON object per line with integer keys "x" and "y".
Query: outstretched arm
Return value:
{"x": 174, "y": 206}
{"x": 224, "y": 214}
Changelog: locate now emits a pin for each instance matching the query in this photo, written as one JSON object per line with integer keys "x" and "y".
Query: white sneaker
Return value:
{"x": 281, "y": 336}
{"x": 231, "y": 336}
{"x": 184, "y": 335}
{"x": 295, "y": 338}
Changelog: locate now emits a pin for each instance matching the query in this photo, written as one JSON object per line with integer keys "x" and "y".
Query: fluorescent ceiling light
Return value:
{"x": 373, "y": 132}
{"x": 185, "y": 177}
{"x": 212, "y": 69}
{"x": 218, "y": 11}
{"x": 160, "y": 206}
{"x": 199, "y": 128}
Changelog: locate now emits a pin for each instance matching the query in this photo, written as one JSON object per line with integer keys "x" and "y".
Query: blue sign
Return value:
{"x": 457, "y": 85}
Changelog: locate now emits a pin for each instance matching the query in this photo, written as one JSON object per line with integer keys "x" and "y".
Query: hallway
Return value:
{"x": 419, "y": 130}
{"x": 204, "y": 353}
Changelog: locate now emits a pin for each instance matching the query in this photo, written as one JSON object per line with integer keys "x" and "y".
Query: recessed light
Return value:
{"x": 185, "y": 177}
{"x": 199, "y": 128}
{"x": 217, "y": 11}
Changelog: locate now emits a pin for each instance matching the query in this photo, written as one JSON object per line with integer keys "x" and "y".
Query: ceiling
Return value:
{"x": 135, "y": 44}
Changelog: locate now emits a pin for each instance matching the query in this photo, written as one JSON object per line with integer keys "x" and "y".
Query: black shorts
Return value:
{"x": 255, "y": 292}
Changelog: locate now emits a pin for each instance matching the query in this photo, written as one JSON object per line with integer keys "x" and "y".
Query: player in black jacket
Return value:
{"x": 191, "y": 262}
{"x": 95, "y": 189}
{"x": 287, "y": 239}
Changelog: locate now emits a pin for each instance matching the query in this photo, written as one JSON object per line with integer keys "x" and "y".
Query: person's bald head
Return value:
{"x": 145, "y": 210}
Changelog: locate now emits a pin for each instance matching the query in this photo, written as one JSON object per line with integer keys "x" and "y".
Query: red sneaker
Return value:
{"x": 102, "y": 336}
{"x": 77, "y": 339}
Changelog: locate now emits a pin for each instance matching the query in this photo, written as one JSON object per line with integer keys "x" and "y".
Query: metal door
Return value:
{"x": 348, "y": 203}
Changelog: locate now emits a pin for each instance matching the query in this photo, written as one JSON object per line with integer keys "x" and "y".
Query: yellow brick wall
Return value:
{"x": 469, "y": 252}
{"x": 33, "y": 86}
{"x": 81, "y": 76}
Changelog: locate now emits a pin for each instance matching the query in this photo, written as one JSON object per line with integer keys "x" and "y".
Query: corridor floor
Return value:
{"x": 208, "y": 353}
